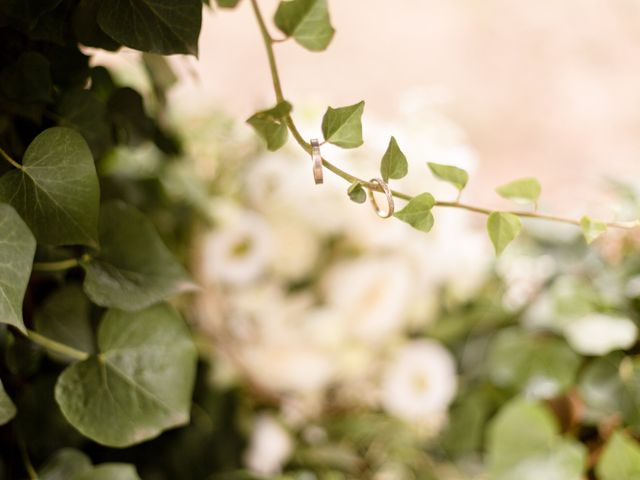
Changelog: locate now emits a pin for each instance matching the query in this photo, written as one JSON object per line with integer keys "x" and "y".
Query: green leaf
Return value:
{"x": 28, "y": 79}
{"x": 139, "y": 384}
{"x": 394, "y": 163}
{"x": 65, "y": 464}
{"x": 7, "y": 408}
{"x": 227, "y": 3}
{"x": 620, "y": 459}
{"x": 56, "y": 191}
{"x": 86, "y": 29}
{"x": 343, "y": 126}
{"x": 110, "y": 471}
{"x": 524, "y": 444}
{"x": 133, "y": 268}
{"x": 592, "y": 229}
{"x": 357, "y": 193}
{"x": 17, "y": 248}
{"x": 157, "y": 26}
{"x": 64, "y": 317}
{"x": 448, "y": 173}
{"x": 417, "y": 212}
{"x": 503, "y": 228}
{"x": 307, "y": 21}
{"x": 271, "y": 125}
{"x": 541, "y": 367}
{"x": 25, "y": 13}
{"x": 525, "y": 190}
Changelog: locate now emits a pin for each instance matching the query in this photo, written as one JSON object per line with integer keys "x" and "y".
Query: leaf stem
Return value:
{"x": 28, "y": 466}
{"x": 56, "y": 266}
{"x": 10, "y": 160}
{"x": 277, "y": 87}
{"x": 57, "y": 347}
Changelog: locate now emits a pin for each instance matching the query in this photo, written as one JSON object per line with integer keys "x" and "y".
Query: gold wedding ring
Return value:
{"x": 387, "y": 193}
{"x": 316, "y": 158}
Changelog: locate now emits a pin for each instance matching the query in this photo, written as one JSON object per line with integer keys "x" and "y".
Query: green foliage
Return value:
{"x": 227, "y": 3}
{"x": 139, "y": 383}
{"x": 56, "y": 190}
{"x": 503, "y": 228}
{"x": 448, "y": 173}
{"x": 343, "y": 126}
{"x": 70, "y": 464}
{"x": 7, "y": 408}
{"x": 620, "y": 459}
{"x": 394, "y": 163}
{"x": 417, "y": 212}
{"x": 133, "y": 268}
{"x": 357, "y": 193}
{"x": 524, "y": 444}
{"x": 307, "y": 21}
{"x": 592, "y": 229}
{"x": 525, "y": 190}
{"x": 16, "y": 256}
{"x": 271, "y": 125}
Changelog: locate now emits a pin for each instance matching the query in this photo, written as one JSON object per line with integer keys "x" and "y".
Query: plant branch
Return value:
{"x": 10, "y": 160}
{"x": 57, "y": 347}
{"x": 277, "y": 87}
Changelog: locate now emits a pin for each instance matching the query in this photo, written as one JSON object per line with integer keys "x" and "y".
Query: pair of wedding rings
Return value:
{"x": 316, "y": 159}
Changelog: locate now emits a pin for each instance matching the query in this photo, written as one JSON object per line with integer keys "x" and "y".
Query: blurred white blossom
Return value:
{"x": 599, "y": 334}
{"x": 270, "y": 446}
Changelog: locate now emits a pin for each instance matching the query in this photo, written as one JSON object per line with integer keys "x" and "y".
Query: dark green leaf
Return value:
{"x": 394, "y": 163}
{"x": 27, "y": 80}
{"x": 86, "y": 28}
{"x": 620, "y": 459}
{"x": 503, "y": 228}
{"x": 133, "y": 268}
{"x": 110, "y": 471}
{"x": 66, "y": 464}
{"x": 7, "y": 408}
{"x": 343, "y": 126}
{"x": 357, "y": 193}
{"x": 157, "y": 26}
{"x": 56, "y": 192}
{"x": 271, "y": 125}
{"x": 417, "y": 212}
{"x": 25, "y": 13}
{"x": 132, "y": 124}
{"x": 448, "y": 173}
{"x": 592, "y": 229}
{"x": 307, "y": 21}
{"x": 227, "y": 3}
{"x": 525, "y": 190}
{"x": 64, "y": 317}
{"x": 138, "y": 385}
{"x": 17, "y": 248}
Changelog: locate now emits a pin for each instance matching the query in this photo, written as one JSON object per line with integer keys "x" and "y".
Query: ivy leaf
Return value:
{"x": 7, "y": 408}
{"x": 28, "y": 79}
{"x": 110, "y": 471}
{"x": 592, "y": 229}
{"x": 86, "y": 29}
{"x": 525, "y": 190}
{"x": 356, "y": 193}
{"x": 503, "y": 228}
{"x": 343, "y": 126}
{"x": 71, "y": 464}
{"x": 417, "y": 212}
{"x": 133, "y": 268}
{"x": 448, "y": 173}
{"x": 271, "y": 125}
{"x": 139, "y": 384}
{"x": 620, "y": 459}
{"x": 17, "y": 248}
{"x": 64, "y": 317}
{"x": 524, "y": 444}
{"x": 540, "y": 367}
{"x": 307, "y": 21}
{"x": 156, "y": 26}
{"x": 394, "y": 163}
{"x": 56, "y": 191}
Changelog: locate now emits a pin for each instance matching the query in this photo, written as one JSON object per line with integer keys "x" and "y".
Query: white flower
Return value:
{"x": 599, "y": 334}
{"x": 270, "y": 446}
{"x": 420, "y": 383}
{"x": 238, "y": 251}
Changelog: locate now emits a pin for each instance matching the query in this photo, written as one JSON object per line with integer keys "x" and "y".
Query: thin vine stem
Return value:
{"x": 277, "y": 87}
{"x": 10, "y": 160}
{"x": 57, "y": 347}
{"x": 56, "y": 266}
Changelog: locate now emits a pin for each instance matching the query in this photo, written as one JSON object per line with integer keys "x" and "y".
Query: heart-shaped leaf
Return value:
{"x": 394, "y": 163}
{"x": 7, "y": 408}
{"x": 448, "y": 173}
{"x": 592, "y": 229}
{"x": 503, "y": 228}
{"x": 133, "y": 268}
{"x": 343, "y": 126}
{"x": 271, "y": 125}
{"x": 524, "y": 190}
{"x": 356, "y": 193}
{"x": 307, "y": 21}
{"x": 417, "y": 212}
{"x": 138, "y": 385}
{"x": 56, "y": 191}
{"x": 156, "y": 26}
{"x": 17, "y": 248}
{"x": 620, "y": 459}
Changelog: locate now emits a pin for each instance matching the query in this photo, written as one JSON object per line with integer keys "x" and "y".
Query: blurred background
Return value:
{"x": 339, "y": 345}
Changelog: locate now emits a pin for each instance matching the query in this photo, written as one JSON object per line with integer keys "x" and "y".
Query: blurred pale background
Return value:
{"x": 546, "y": 88}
